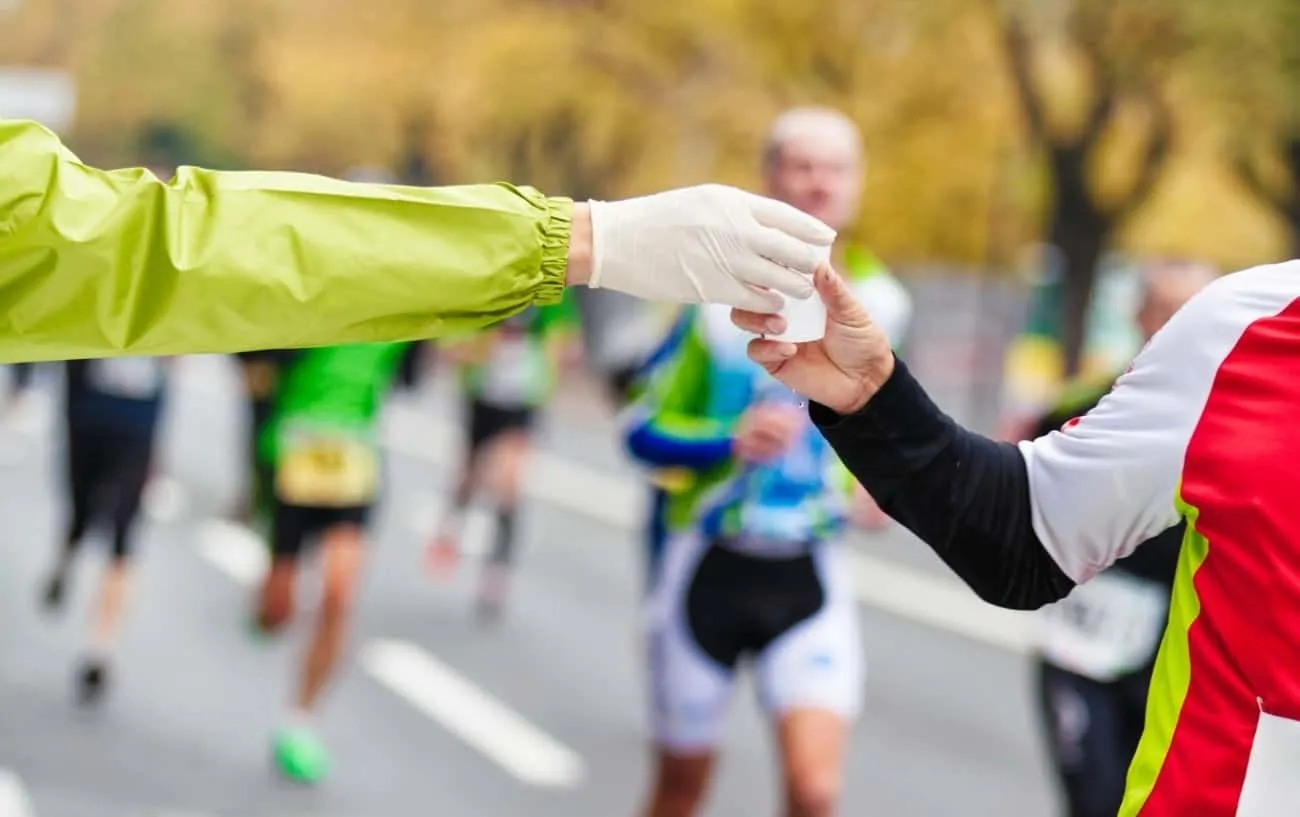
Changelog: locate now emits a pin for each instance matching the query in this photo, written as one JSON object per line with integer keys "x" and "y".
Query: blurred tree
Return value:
{"x": 615, "y": 97}
{"x": 1250, "y": 58}
{"x": 414, "y": 165}
{"x": 920, "y": 79}
{"x": 1110, "y": 59}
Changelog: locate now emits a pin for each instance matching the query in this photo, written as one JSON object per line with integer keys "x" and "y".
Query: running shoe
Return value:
{"x": 55, "y": 589}
{"x": 92, "y": 682}
{"x": 300, "y": 756}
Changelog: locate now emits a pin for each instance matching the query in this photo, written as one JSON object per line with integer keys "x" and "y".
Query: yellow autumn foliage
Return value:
{"x": 614, "y": 97}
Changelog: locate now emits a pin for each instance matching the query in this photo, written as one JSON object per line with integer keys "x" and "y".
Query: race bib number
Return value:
{"x": 135, "y": 378}
{"x": 510, "y": 374}
{"x": 1106, "y": 628}
{"x": 326, "y": 470}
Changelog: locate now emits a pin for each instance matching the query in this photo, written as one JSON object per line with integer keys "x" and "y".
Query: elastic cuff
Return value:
{"x": 555, "y": 250}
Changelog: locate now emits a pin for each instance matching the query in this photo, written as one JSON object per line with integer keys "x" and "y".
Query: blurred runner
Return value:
{"x": 1034, "y": 366}
{"x": 1097, "y": 647}
{"x": 619, "y": 334}
{"x": 745, "y": 513}
{"x": 508, "y": 373}
{"x": 750, "y": 571}
{"x": 664, "y": 482}
{"x": 813, "y": 160}
{"x": 23, "y": 413}
{"x": 20, "y": 385}
{"x": 260, "y": 370}
{"x": 415, "y": 361}
{"x": 113, "y": 408}
{"x": 321, "y": 438}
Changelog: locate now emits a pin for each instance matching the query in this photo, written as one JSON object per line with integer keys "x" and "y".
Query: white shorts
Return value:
{"x": 712, "y": 606}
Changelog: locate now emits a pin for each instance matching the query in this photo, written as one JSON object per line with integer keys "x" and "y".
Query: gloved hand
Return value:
{"x": 706, "y": 244}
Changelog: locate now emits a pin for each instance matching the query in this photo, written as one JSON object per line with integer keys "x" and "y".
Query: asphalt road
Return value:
{"x": 542, "y": 715}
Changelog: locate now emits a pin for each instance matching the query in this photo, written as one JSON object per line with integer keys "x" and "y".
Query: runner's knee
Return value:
{"x": 507, "y": 467}
{"x": 337, "y": 599}
{"x": 343, "y": 554}
{"x": 812, "y": 792}
{"x": 680, "y": 785}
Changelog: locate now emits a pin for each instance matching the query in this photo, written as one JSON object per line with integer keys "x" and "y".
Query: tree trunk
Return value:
{"x": 1080, "y": 231}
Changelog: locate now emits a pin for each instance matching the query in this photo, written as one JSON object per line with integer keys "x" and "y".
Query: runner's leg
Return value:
{"x": 811, "y": 678}
{"x": 299, "y": 753}
{"x": 342, "y": 554}
{"x": 689, "y": 685}
{"x": 277, "y": 599}
{"x": 130, "y": 457}
{"x": 444, "y": 552}
{"x": 680, "y": 783}
{"x": 1082, "y": 724}
{"x": 85, "y": 464}
{"x": 505, "y": 463}
{"x": 812, "y": 746}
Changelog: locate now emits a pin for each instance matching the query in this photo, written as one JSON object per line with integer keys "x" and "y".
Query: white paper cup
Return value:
{"x": 804, "y": 320}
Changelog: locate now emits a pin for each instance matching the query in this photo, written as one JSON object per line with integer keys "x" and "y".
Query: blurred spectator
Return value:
{"x": 507, "y": 374}
{"x": 1098, "y": 645}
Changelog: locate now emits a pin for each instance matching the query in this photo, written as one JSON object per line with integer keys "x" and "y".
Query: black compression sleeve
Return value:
{"x": 965, "y": 495}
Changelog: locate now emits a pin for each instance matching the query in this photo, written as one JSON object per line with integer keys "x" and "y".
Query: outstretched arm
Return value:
{"x": 96, "y": 263}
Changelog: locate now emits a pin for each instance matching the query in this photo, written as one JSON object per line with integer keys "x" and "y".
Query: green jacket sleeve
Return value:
{"x": 98, "y": 263}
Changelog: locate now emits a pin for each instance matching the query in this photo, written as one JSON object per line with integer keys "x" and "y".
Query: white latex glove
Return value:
{"x": 706, "y": 244}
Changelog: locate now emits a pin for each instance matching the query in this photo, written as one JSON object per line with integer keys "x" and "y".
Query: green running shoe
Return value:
{"x": 300, "y": 756}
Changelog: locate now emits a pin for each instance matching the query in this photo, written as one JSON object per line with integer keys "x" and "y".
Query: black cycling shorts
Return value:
{"x": 737, "y": 604}
{"x": 294, "y": 526}
{"x": 487, "y": 422}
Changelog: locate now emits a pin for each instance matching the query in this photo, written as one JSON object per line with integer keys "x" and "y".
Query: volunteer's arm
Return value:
{"x": 97, "y": 263}
{"x": 667, "y": 426}
{"x": 1023, "y": 524}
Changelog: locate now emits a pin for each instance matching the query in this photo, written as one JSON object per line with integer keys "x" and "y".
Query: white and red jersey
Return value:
{"x": 1205, "y": 426}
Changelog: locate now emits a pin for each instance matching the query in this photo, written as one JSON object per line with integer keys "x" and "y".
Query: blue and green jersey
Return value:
{"x": 685, "y": 422}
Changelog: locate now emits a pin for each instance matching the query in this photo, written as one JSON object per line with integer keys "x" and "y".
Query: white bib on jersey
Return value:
{"x": 1106, "y": 627}
{"x": 135, "y": 378}
{"x": 511, "y": 372}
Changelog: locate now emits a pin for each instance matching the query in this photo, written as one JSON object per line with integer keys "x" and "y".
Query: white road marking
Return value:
{"x": 468, "y": 712}
{"x": 234, "y": 550}
{"x": 938, "y": 603}
{"x": 241, "y": 554}
{"x": 166, "y": 499}
{"x": 620, "y": 502}
{"x": 14, "y": 801}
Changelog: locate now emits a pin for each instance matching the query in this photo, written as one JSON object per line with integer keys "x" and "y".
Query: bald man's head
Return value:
{"x": 1166, "y": 286}
{"x": 812, "y": 159}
